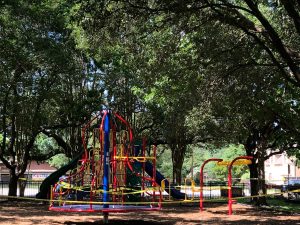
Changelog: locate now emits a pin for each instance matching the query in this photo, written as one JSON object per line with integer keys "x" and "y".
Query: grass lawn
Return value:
{"x": 279, "y": 204}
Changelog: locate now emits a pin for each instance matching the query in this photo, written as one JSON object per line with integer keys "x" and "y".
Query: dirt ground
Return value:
{"x": 36, "y": 213}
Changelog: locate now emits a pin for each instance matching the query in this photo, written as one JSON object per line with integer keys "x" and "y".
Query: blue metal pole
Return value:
{"x": 106, "y": 160}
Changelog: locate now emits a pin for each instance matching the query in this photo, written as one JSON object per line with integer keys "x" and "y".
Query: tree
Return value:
{"x": 257, "y": 115}
{"x": 229, "y": 153}
{"x": 35, "y": 56}
{"x": 256, "y": 105}
{"x": 228, "y": 39}
{"x": 272, "y": 25}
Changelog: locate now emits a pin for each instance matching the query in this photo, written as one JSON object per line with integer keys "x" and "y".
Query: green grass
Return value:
{"x": 279, "y": 204}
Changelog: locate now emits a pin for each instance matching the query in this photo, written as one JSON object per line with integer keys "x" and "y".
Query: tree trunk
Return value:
{"x": 177, "y": 158}
{"x": 255, "y": 146}
{"x": 257, "y": 181}
{"x": 13, "y": 183}
{"x": 177, "y": 167}
{"x": 22, "y": 185}
{"x": 54, "y": 177}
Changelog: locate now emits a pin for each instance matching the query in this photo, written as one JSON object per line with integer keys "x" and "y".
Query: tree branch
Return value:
{"x": 280, "y": 151}
{"x": 5, "y": 162}
{"x": 44, "y": 157}
{"x": 60, "y": 141}
{"x": 27, "y": 149}
{"x": 289, "y": 6}
{"x": 60, "y": 126}
{"x": 3, "y": 146}
{"x": 276, "y": 40}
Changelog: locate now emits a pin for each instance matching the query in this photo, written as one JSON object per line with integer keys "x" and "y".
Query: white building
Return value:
{"x": 35, "y": 171}
{"x": 279, "y": 168}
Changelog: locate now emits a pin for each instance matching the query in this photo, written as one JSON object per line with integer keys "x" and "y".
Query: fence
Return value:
{"x": 31, "y": 188}
{"x": 217, "y": 190}
{"x": 211, "y": 190}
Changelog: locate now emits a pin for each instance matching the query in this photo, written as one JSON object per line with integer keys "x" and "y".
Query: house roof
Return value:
{"x": 32, "y": 167}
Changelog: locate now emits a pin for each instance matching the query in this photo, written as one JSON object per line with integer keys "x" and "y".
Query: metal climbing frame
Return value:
{"x": 101, "y": 181}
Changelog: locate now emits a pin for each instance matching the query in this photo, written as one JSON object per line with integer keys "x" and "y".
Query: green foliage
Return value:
{"x": 163, "y": 163}
{"x": 198, "y": 155}
{"x": 220, "y": 68}
{"x": 44, "y": 145}
{"x": 45, "y": 85}
{"x": 227, "y": 154}
{"x": 180, "y": 72}
{"x": 59, "y": 160}
{"x": 1, "y": 139}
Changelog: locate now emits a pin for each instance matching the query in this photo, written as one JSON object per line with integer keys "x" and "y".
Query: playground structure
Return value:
{"x": 116, "y": 175}
{"x": 201, "y": 179}
{"x": 111, "y": 176}
{"x": 241, "y": 160}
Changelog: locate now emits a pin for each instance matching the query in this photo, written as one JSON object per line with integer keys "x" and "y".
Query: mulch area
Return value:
{"x": 25, "y": 213}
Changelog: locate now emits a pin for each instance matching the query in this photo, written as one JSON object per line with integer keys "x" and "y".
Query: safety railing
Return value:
{"x": 30, "y": 190}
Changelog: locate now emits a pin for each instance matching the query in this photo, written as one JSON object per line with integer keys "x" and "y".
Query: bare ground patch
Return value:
{"x": 24, "y": 213}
